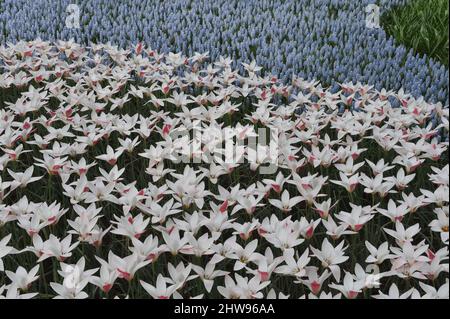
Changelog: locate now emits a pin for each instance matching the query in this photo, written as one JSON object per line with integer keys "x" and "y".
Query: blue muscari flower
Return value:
{"x": 286, "y": 37}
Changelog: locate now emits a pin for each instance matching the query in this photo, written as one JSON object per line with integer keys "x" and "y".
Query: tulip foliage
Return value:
{"x": 116, "y": 181}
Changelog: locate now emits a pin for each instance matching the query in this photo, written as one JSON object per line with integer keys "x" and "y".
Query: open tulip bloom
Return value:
{"x": 131, "y": 173}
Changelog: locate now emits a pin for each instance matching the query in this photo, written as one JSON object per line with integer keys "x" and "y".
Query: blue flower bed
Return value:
{"x": 316, "y": 39}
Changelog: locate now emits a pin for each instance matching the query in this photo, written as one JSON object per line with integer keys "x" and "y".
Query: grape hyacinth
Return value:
{"x": 327, "y": 40}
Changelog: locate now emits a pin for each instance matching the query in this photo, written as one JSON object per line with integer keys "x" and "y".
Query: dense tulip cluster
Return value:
{"x": 100, "y": 196}
{"x": 327, "y": 40}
